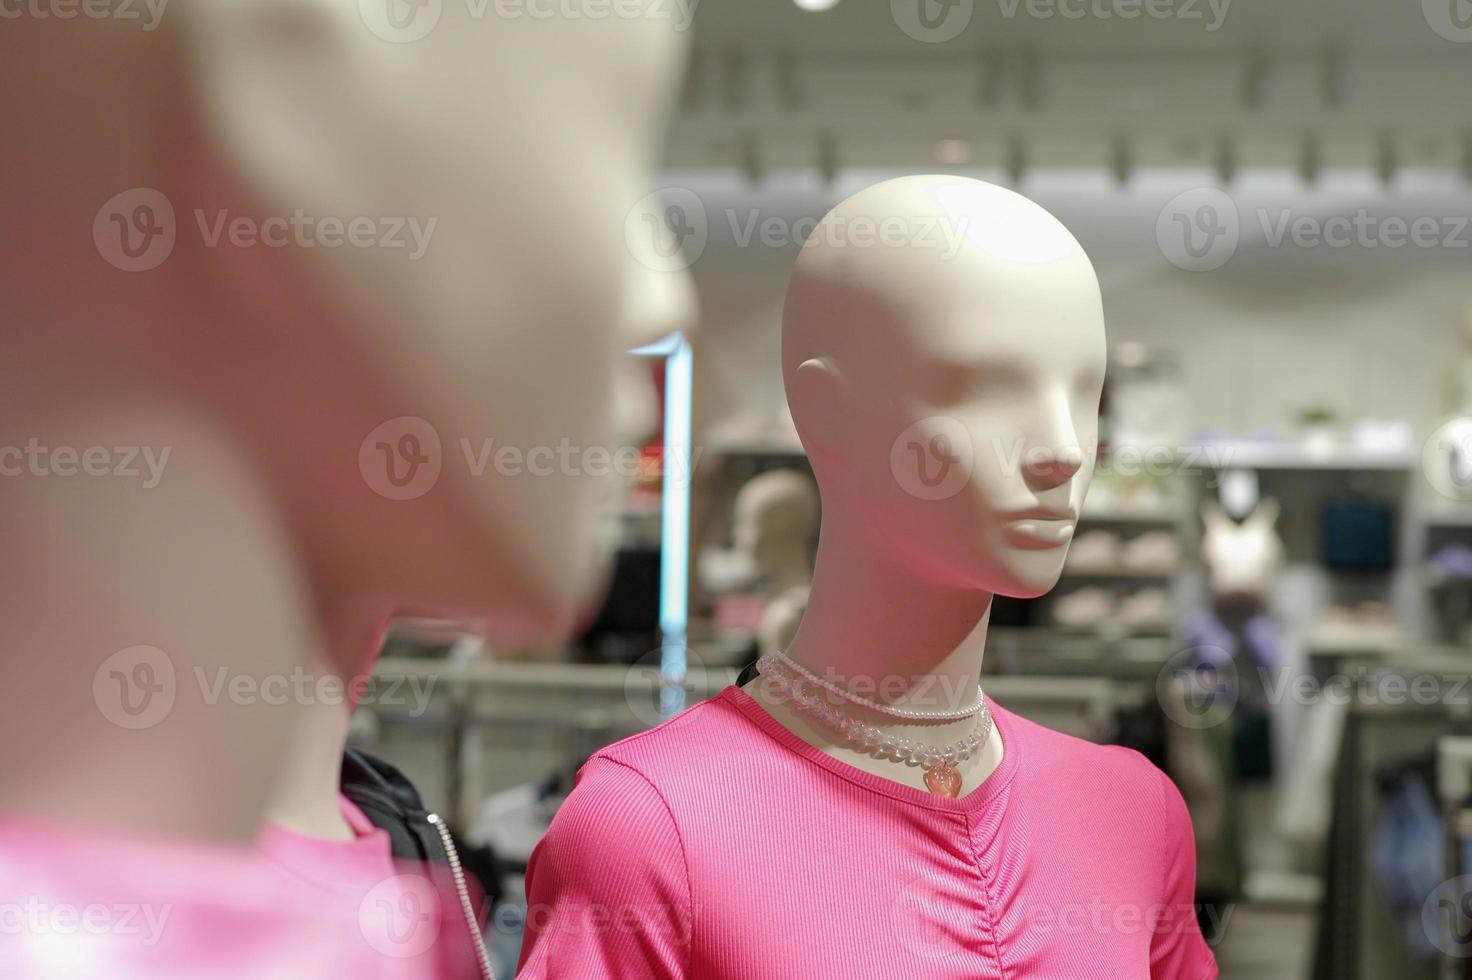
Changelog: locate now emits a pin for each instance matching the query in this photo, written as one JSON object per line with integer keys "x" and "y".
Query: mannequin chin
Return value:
{"x": 947, "y": 391}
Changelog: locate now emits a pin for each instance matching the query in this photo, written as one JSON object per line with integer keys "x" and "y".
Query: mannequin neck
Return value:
{"x": 193, "y": 570}
{"x": 307, "y": 798}
{"x": 870, "y": 618}
{"x": 875, "y": 626}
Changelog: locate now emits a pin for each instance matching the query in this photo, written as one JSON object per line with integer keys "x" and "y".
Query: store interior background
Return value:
{"x": 1315, "y": 371}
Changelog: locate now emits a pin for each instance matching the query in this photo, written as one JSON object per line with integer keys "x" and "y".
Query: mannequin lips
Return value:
{"x": 1040, "y": 529}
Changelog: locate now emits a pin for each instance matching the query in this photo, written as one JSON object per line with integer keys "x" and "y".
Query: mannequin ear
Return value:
{"x": 815, "y": 396}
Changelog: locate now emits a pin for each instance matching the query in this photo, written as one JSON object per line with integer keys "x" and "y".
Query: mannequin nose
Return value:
{"x": 1057, "y": 455}
{"x": 1053, "y": 466}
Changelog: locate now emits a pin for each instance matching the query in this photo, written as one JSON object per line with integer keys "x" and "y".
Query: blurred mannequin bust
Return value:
{"x": 944, "y": 376}
{"x": 775, "y": 515}
{"x": 1242, "y": 556}
{"x": 1241, "y": 546}
{"x": 780, "y": 620}
{"x": 656, "y": 304}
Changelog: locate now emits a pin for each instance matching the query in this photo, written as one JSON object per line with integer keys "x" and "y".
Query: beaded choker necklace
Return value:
{"x": 942, "y": 777}
{"x": 894, "y": 711}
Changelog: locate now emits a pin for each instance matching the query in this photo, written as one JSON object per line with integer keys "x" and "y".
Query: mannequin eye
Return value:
{"x": 953, "y": 382}
{"x": 949, "y": 382}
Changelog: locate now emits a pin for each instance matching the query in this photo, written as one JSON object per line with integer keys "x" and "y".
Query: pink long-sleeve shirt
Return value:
{"x": 720, "y": 845}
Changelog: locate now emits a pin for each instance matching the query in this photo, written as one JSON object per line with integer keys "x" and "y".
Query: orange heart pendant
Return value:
{"x": 943, "y": 780}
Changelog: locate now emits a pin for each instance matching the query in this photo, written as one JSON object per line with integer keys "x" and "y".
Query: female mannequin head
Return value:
{"x": 943, "y": 352}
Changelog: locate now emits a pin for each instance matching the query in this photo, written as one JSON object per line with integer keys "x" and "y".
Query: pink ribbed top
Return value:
{"x": 720, "y": 846}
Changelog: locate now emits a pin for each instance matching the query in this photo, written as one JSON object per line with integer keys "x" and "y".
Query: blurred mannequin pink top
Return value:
{"x": 720, "y": 845}
{"x": 80, "y": 904}
{"x": 332, "y": 864}
{"x": 411, "y": 926}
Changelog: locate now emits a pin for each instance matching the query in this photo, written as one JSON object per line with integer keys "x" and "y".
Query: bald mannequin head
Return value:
{"x": 775, "y": 515}
{"x": 943, "y": 354}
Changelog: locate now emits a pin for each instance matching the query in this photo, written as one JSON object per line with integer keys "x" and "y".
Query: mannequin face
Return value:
{"x": 949, "y": 395}
{"x": 527, "y": 141}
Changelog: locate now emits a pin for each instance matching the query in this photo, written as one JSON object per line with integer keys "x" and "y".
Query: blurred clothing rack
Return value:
{"x": 1359, "y": 936}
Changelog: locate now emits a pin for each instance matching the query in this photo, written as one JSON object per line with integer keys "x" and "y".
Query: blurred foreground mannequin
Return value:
{"x": 944, "y": 375}
{"x": 301, "y": 413}
{"x": 315, "y": 828}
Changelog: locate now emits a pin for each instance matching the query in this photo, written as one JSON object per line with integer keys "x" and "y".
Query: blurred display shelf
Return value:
{"x": 1434, "y": 578}
{"x": 754, "y": 447}
{"x": 1212, "y": 456}
{"x": 1120, "y": 572}
{"x": 1084, "y": 707}
{"x": 1357, "y": 640}
{"x": 640, "y": 526}
{"x": 1113, "y": 629}
{"x": 1293, "y": 456}
{"x": 1448, "y": 515}
{"x": 1283, "y": 889}
{"x": 720, "y": 646}
{"x": 523, "y": 677}
{"x": 1110, "y": 514}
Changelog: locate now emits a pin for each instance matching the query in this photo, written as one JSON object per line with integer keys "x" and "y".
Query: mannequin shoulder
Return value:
{"x": 612, "y": 847}
{"x": 685, "y": 745}
{"x": 1070, "y": 766}
{"x": 628, "y": 815}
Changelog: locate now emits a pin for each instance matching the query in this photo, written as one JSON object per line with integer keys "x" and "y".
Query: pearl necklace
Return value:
{"x": 939, "y": 761}
{"x": 909, "y": 714}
